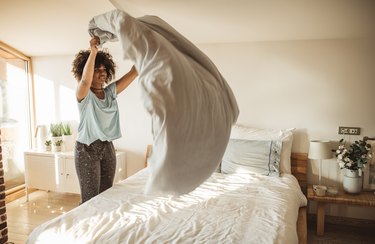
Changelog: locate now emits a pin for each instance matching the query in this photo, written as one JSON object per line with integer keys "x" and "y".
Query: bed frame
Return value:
{"x": 299, "y": 170}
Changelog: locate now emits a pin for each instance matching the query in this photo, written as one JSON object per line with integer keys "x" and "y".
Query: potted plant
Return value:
{"x": 353, "y": 158}
{"x": 47, "y": 145}
{"x": 67, "y": 137}
{"x": 57, "y": 145}
{"x": 66, "y": 129}
{"x": 56, "y": 131}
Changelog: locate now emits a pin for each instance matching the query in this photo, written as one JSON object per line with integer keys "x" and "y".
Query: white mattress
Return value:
{"x": 225, "y": 209}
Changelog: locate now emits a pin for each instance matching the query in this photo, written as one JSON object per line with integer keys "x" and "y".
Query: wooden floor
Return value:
{"x": 342, "y": 230}
{"x": 335, "y": 234}
{"x": 24, "y": 216}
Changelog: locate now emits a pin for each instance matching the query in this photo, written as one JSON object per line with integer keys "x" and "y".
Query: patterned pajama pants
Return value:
{"x": 95, "y": 166}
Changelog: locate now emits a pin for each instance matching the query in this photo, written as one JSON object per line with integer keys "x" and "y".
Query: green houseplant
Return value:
{"x": 56, "y": 130}
{"x": 352, "y": 158}
{"x": 57, "y": 145}
{"x": 66, "y": 129}
{"x": 67, "y": 137}
{"x": 48, "y": 144}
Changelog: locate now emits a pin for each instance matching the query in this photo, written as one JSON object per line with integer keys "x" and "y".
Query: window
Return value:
{"x": 15, "y": 114}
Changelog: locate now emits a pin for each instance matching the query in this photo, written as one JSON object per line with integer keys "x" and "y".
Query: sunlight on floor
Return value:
{"x": 23, "y": 216}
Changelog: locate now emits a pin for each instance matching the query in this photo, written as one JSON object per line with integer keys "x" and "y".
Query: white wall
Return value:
{"x": 55, "y": 101}
{"x": 314, "y": 86}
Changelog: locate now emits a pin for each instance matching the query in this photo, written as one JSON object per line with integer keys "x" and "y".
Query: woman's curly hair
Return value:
{"x": 102, "y": 58}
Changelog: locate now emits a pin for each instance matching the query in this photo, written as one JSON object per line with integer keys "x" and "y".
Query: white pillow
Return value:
{"x": 252, "y": 156}
{"x": 286, "y": 136}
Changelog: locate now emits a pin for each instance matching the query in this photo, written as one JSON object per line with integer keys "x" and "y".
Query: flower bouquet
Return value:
{"x": 354, "y": 156}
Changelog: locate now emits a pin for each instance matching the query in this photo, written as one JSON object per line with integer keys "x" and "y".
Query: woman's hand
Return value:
{"x": 94, "y": 42}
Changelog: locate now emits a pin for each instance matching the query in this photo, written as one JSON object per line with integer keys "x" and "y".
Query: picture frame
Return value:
{"x": 369, "y": 172}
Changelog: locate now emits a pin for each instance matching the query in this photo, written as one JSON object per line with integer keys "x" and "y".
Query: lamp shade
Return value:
{"x": 320, "y": 150}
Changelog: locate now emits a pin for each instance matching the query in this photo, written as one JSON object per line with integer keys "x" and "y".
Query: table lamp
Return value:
{"x": 320, "y": 150}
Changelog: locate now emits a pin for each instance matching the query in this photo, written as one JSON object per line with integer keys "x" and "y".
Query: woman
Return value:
{"x": 95, "y": 156}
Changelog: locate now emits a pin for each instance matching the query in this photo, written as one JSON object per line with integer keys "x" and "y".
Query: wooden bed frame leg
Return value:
{"x": 320, "y": 219}
{"x": 302, "y": 226}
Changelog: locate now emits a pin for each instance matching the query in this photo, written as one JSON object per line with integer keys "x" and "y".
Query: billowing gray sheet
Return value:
{"x": 190, "y": 103}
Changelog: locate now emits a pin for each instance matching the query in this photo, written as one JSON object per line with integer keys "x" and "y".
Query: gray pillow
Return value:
{"x": 246, "y": 156}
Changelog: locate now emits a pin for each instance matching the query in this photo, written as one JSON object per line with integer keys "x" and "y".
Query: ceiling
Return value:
{"x": 59, "y": 27}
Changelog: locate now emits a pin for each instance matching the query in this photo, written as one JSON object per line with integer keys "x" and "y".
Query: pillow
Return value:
{"x": 252, "y": 156}
{"x": 286, "y": 136}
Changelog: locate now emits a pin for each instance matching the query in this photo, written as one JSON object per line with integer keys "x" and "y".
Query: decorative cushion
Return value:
{"x": 252, "y": 156}
{"x": 286, "y": 136}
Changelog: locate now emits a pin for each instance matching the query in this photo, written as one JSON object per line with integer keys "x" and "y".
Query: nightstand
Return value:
{"x": 361, "y": 199}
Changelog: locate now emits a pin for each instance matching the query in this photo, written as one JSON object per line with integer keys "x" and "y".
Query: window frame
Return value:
{"x": 31, "y": 110}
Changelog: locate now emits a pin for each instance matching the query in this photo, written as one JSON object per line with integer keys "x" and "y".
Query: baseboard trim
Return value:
{"x": 15, "y": 194}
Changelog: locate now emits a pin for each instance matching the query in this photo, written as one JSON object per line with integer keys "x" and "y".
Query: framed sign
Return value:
{"x": 369, "y": 172}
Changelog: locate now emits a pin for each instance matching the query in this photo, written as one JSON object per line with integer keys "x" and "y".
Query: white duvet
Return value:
{"x": 191, "y": 105}
{"x": 234, "y": 208}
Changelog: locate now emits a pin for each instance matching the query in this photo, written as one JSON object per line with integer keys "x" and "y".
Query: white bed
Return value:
{"x": 227, "y": 208}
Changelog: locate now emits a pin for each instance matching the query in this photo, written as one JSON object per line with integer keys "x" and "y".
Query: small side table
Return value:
{"x": 361, "y": 199}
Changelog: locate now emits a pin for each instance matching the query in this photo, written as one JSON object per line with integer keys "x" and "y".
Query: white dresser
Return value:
{"x": 55, "y": 171}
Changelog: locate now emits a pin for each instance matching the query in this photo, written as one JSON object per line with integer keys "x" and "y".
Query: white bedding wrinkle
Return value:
{"x": 227, "y": 208}
{"x": 191, "y": 105}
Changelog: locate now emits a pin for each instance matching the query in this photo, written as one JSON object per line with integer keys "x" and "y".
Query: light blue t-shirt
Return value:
{"x": 99, "y": 118}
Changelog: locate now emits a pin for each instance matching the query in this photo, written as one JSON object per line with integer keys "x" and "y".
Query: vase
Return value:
{"x": 68, "y": 144}
{"x": 57, "y": 148}
{"x": 54, "y": 140}
{"x": 352, "y": 181}
{"x": 48, "y": 148}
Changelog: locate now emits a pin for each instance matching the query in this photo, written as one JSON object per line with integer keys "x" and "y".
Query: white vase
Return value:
{"x": 48, "y": 148}
{"x": 352, "y": 182}
{"x": 68, "y": 144}
{"x": 57, "y": 148}
{"x": 54, "y": 139}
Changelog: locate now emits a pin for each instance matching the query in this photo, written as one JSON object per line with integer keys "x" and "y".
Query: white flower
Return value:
{"x": 360, "y": 151}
